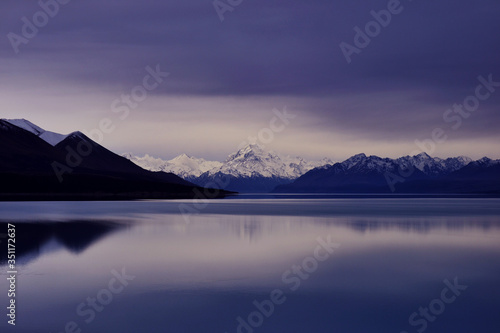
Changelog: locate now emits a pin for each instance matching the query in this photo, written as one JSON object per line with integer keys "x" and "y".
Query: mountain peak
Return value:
{"x": 247, "y": 151}
{"x": 49, "y": 137}
{"x": 251, "y": 148}
{"x": 76, "y": 135}
{"x": 353, "y": 160}
{"x": 182, "y": 156}
{"x": 485, "y": 160}
{"x": 249, "y": 161}
{"x": 26, "y": 125}
{"x": 423, "y": 155}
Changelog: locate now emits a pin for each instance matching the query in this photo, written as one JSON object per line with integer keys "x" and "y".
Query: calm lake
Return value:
{"x": 291, "y": 264}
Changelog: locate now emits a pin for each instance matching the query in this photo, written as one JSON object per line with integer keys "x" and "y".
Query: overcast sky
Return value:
{"x": 226, "y": 77}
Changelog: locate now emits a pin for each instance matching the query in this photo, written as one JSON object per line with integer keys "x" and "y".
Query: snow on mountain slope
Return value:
{"x": 195, "y": 166}
{"x": 49, "y": 137}
{"x": 183, "y": 165}
{"x": 52, "y": 138}
{"x": 428, "y": 165}
{"x": 434, "y": 165}
{"x": 250, "y": 161}
{"x": 486, "y": 161}
{"x": 253, "y": 161}
{"x": 26, "y": 125}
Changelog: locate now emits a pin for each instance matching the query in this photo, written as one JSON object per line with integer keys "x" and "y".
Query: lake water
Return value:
{"x": 287, "y": 264}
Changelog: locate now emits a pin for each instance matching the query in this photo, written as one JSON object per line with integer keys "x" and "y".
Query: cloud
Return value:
{"x": 265, "y": 54}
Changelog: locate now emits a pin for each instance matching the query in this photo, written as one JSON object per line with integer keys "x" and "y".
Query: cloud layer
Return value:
{"x": 226, "y": 77}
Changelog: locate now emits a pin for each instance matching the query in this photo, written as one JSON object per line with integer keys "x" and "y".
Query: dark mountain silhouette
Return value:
{"x": 77, "y": 168}
{"x": 362, "y": 174}
{"x": 24, "y": 152}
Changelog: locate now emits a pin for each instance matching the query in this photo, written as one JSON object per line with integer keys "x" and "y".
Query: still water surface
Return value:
{"x": 256, "y": 265}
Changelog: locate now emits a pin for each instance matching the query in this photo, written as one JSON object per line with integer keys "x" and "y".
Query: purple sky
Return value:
{"x": 227, "y": 77}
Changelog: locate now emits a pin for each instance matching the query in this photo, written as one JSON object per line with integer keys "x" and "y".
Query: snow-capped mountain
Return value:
{"x": 431, "y": 166}
{"x": 485, "y": 162}
{"x": 249, "y": 161}
{"x": 184, "y": 166}
{"x": 434, "y": 165}
{"x": 252, "y": 161}
{"x": 250, "y": 169}
{"x": 253, "y": 169}
{"x": 49, "y": 137}
{"x": 75, "y": 167}
{"x": 414, "y": 174}
{"x": 28, "y": 149}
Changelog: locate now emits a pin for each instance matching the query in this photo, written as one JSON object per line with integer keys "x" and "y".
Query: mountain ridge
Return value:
{"x": 51, "y": 138}
{"x": 251, "y": 168}
{"x": 407, "y": 174}
{"x": 24, "y": 150}
{"x": 29, "y": 168}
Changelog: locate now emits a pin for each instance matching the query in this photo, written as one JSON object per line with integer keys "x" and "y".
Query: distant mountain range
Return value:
{"x": 250, "y": 169}
{"x": 410, "y": 174}
{"x": 38, "y": 164}
{"x": 184, "y": 166}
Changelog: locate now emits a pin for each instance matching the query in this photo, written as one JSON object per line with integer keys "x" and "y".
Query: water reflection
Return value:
{"x": 203, "y": 275}
{"x": 46, "y": 237}
{"x": 35, "y": 238}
